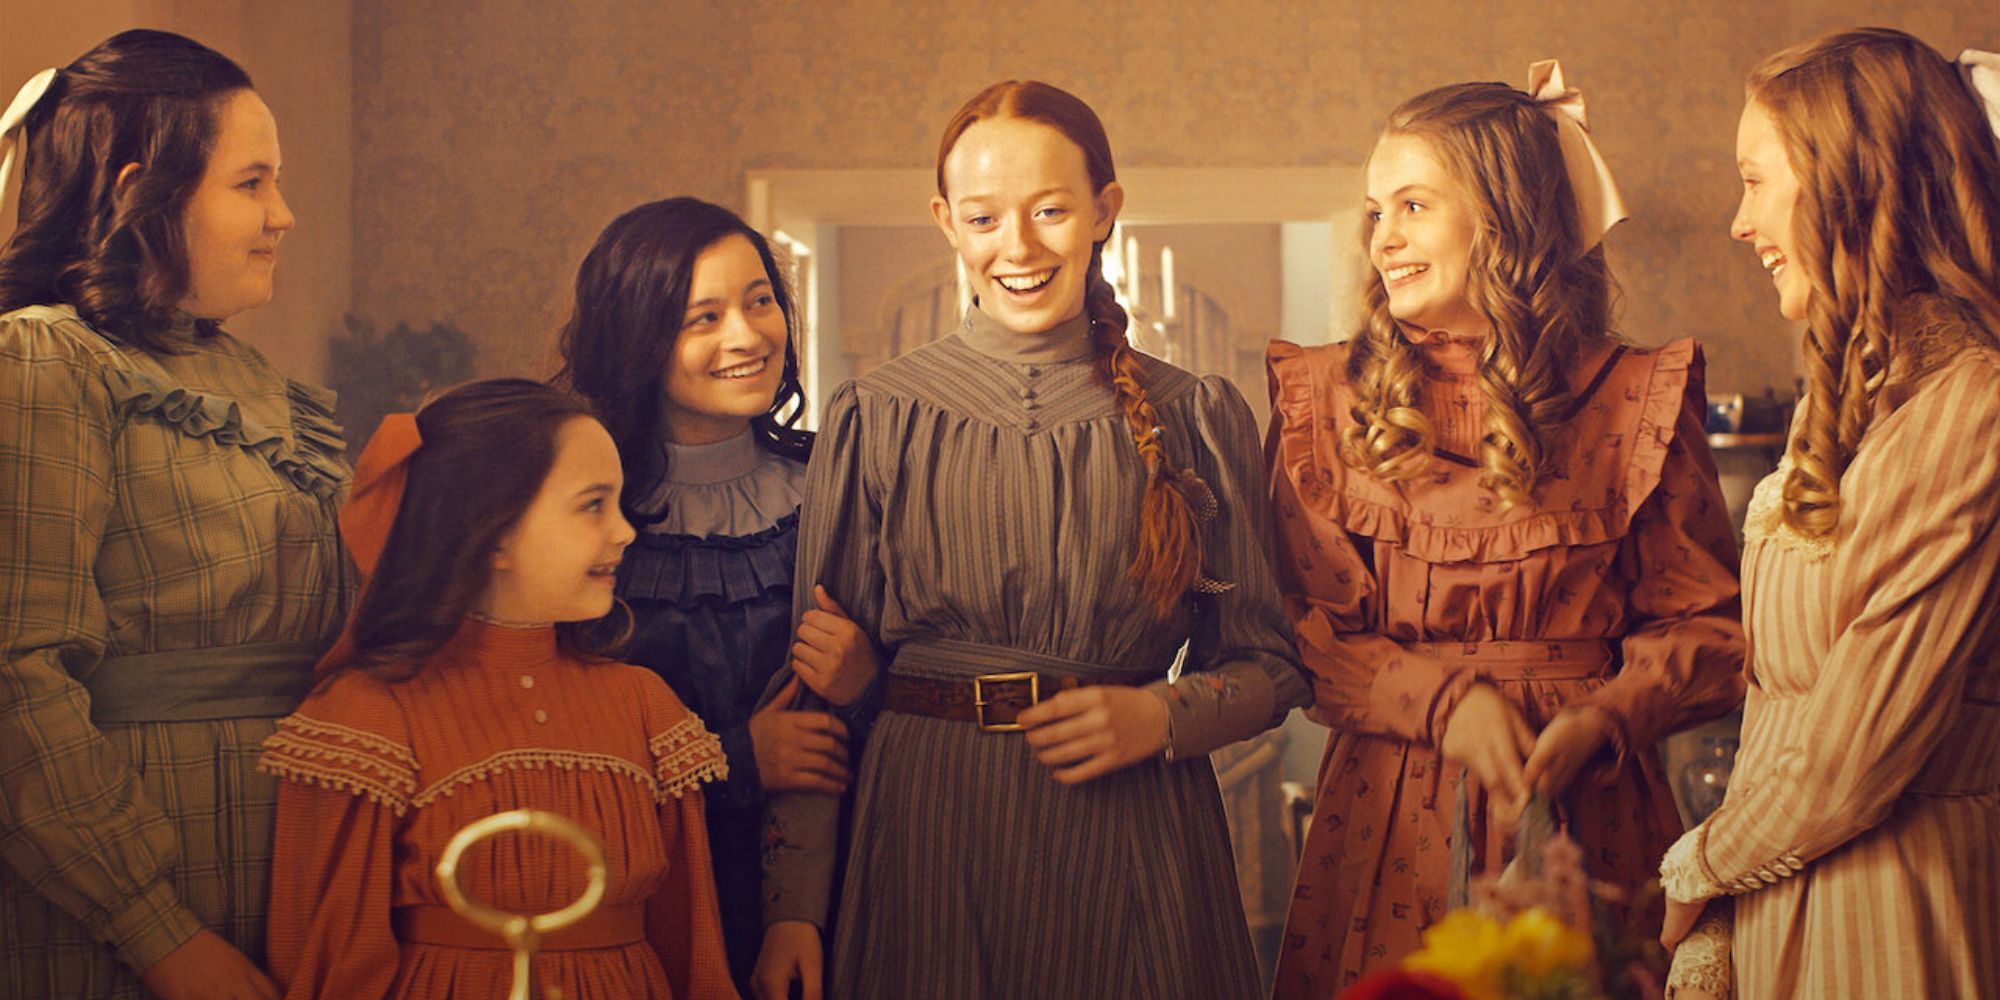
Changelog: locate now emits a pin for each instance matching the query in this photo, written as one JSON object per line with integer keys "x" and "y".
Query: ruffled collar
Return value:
{"x": 1447, "y": 356}
{"x": 730, "y": 488}
{"x": 707, "y": 464}
{"x": 1068, "y": 340}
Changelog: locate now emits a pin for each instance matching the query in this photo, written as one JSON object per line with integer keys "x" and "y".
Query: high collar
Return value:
{"x": 494, "y": 644}
{"x": 184, "y": 326}
{"x": 720, "y": 462}
{"x": 1446, "y": 353}
{"x": 1068, "y": 340}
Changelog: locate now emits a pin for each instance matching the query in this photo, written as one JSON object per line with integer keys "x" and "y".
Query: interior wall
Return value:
{"x": 484, "y": 174}
{"x": 301, "y": 57}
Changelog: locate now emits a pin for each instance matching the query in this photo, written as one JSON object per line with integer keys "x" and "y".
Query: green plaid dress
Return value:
{"x": 168, "y": 569}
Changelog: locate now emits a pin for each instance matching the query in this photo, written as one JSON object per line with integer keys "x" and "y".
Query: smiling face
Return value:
{"x": 1764, "y": 216}
{"x": 1420, "y": 237}
{"x": 236, "y": 216}
{"x": 1020, "y": 211}
{"x": 559, "y": 562}
{"x": 729, "y": 354}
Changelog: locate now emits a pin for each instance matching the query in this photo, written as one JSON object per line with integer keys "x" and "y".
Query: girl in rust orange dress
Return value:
{"x": 1498, "y": 532}
{"x": 469, "y": 682}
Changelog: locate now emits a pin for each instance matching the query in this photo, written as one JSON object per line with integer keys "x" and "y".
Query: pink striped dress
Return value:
{"x": 1861, "y": 833}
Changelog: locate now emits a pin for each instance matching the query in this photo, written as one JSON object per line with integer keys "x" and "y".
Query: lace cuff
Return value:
{"x": 1682, "y": 875}
{"x": 1702, "y": 960}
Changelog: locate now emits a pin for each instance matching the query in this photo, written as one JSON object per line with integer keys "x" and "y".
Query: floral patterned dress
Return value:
{"x": 1616, "y": 594}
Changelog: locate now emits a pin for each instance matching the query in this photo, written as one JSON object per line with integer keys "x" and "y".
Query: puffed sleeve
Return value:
{"x": 347, "y": 775}
{"x": 1916, "y": 607}
{"x": 1363, "y": 681}
{"x": 839, "y": 527}
{"x": 1242, "y": 674}
{"x": 73, "y": 820}
{"x": 1683, "y": 655}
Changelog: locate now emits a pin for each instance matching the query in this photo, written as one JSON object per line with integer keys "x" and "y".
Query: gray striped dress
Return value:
{"x": 974, "y": 505}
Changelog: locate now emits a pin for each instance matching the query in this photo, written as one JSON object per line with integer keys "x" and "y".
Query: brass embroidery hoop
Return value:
{"x": 523, "y": 932}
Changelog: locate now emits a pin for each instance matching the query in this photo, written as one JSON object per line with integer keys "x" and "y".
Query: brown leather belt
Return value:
{"x": 993, "y": 701}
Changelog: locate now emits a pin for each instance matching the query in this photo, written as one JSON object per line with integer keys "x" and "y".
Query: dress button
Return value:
{"x": 1034, "y": 372}
{"x": 1034, "y": 425}
{"x": 541, "y": 716}
{"x": 527, "y": 681}
{"x": 1030, "y": 394}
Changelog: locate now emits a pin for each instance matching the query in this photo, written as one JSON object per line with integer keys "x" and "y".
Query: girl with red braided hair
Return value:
{"x": 1032, "y": 517}
{"x": 1499, "y": 534}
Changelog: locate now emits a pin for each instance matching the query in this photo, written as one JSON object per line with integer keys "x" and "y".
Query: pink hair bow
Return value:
{"x": 1598, "y": 205}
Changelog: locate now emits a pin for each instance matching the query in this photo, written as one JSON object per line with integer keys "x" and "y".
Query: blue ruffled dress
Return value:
{"x": 710, "y": 587}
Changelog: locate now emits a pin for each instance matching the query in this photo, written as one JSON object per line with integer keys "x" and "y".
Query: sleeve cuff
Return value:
{"x": 860, "y": 715}
{"x": 1210, "y": 709}
{"x": 1449, "y": 693}
{"x": 150, "y": 927}
{"x": 1683, "y": 876}
{"x": 1619, "y": 740}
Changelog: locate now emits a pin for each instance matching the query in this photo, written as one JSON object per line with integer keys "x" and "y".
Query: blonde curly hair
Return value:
{"x": 1897, "y": 227}
{"x": 1544, "y": 292}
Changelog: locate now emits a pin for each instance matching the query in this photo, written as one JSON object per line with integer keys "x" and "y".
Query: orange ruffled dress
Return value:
{"x": 380, "y": 775}
{"x": 1616, "y": 593}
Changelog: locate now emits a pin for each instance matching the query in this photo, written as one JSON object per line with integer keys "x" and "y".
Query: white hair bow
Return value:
{"x": 1982, "y": 76}
{"x": 1598, "y": 205}
{"x": 11, "y": 133}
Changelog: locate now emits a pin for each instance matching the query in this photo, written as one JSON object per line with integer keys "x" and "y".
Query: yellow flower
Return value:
{"x": 1466, "y": 948}
{"x": 1537, "y": 943}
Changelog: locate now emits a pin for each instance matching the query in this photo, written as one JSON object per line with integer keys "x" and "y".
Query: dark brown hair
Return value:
{"x": 487, "y": 448}
{"x": 119, "y": 257}
{"x": 631, "y": 293}
{"x": 1169, "y": 557}
{"x": 1544, "y": 292}
{"x": 1897, "y": 227}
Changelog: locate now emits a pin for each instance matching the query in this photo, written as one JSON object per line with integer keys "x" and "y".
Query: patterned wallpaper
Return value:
{"x": 495, "y": 137}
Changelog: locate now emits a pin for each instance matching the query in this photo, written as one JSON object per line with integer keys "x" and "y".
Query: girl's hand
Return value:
{"x": 836, "y": 659}
{"x": 1089, "y": 732}
{"x": 1680, "y": 920}
{"x": 1487, "y": 735}
{"x": 791, "y": 954}
{"x": 205, "y": 967}
{"x": 798, "y": 751}
{"x": 1567, "y": 743}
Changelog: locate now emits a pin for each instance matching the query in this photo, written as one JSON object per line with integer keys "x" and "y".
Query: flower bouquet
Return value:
{"x": 1537, "y": 931}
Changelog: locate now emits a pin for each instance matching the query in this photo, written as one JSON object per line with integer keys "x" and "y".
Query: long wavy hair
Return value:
{"x": 1546, "y": 294}
{"x": 1168, "y": 559}
{"x": 118, "y": 256}
{"x": 487, "y": 448}
{"x": 1897, "y": 227}
{"x": 631, "y": 293}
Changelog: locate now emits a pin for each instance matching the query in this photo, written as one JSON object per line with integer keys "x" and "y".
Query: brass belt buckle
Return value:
{"x": 979, "y": 700}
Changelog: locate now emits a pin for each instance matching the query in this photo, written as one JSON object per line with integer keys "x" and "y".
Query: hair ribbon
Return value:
{"x": 1981, "y": 71}
{"x": 1598, "y": 204}
{"x": 13, "y": 136}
